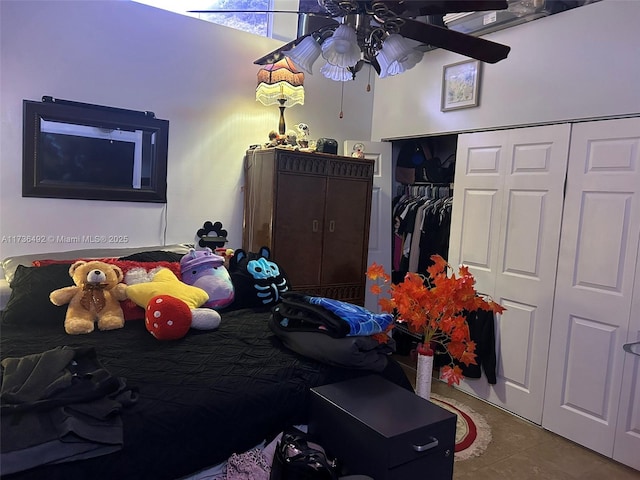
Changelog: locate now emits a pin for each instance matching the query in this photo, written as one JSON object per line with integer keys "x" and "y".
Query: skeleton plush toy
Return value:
{"x": 257, "y": 280}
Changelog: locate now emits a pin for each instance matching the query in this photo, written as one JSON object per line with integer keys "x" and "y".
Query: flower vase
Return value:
{"x": 424, "y": 372}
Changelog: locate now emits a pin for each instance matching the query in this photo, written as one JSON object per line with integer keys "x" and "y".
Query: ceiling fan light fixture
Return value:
{"x": 336, "y": 73}
{"x": 412, "y": 60}
{"x": 388, "y": 69}
{"x": 396, "y": 48}
{"x": 305, "y": 53}
{"x": 342, "y": 48}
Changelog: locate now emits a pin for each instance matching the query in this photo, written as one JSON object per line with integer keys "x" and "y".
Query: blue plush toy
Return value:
{"x": 206, "y": 270}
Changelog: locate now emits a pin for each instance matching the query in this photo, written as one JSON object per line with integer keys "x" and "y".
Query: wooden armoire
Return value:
{"x": 312, "y": 210}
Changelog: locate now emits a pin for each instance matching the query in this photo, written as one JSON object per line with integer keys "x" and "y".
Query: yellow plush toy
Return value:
{"x": 163, "y": 298}
{"x": 96, "y": 296}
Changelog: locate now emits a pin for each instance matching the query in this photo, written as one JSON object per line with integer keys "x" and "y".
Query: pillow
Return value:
{"x": 129, "y": 308}
{"x": 154, "y": 256}
{"x": 51, "y": 261}
{"x": 125, "y": 265}
{"x": 257, "y": 280}
{"x": 30, "y": 288}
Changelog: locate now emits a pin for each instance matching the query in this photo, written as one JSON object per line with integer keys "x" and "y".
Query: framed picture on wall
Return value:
{"x": 460, "y": 85}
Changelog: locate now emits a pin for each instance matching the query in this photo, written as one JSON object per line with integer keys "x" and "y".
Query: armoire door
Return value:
{"x": 345, "y": 231}
{"x": 299, "y": 226}
{"x": 592, "y": 387}
{"x": 507, "y": 211}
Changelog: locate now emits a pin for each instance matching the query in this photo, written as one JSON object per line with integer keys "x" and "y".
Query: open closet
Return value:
{"x": 421, "y": 207}
{"x": 547, "y": 218}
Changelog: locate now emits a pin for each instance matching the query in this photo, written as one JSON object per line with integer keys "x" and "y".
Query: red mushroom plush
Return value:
{"x": 167, "y": 317}
{"x": 173, "y": 292}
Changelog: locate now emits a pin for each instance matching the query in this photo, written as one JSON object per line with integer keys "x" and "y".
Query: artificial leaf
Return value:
{"x": 435, "y": 307}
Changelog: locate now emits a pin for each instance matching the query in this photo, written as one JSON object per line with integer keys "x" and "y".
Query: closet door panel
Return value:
{"x": 477, "y": 234}
{"x": 595, "y": 287}
{"x": 627, "y": 440}
{"x": 534, "y": 177}
{"x": 514, "y": 362}
{"x": 475, "y": 217}
{"x": 512, "y": 249}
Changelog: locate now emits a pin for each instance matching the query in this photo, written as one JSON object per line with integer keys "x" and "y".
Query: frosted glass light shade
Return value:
{"x": 412, "y": 60}
{"x": 396, "y": 48}
{"x": 388, "y": 69}
{"x": 305, "y": 53}
{"x": 334, "y": 72}
{"x": 397, "y": 55}
{"x": 342, "y": 48}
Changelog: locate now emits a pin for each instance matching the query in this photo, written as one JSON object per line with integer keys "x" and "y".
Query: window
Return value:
{"x": 257, "y": 23}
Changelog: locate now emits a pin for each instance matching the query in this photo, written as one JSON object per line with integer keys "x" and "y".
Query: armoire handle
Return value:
{"x": 314, "y": 226}
{"x": 332, "y": 226}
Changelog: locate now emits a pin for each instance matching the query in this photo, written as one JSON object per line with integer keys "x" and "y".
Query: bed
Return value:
{"x": 197, "y": 400}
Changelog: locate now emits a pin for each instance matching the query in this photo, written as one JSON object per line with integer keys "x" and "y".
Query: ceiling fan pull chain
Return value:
{"x": 341, "y": 98}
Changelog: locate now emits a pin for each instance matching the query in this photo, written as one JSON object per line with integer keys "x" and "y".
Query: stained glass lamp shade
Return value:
{"x": 280, "y": 83}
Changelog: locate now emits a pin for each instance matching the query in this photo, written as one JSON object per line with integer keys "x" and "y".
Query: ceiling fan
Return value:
{"x": 370, "y": 24}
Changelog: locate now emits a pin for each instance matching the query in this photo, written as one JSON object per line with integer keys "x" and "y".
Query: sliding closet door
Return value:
{"x": 627, "y": 442}
{"x": 507, "y": 212}
{"x": 590, "y": 377}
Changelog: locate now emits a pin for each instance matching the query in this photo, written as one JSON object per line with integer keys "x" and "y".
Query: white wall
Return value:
{"x": 197, "y": 75}
{"x": 581, "y": 63}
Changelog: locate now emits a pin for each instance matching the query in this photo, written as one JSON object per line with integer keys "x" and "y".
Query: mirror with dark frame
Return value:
{"x": 93, "y": 152}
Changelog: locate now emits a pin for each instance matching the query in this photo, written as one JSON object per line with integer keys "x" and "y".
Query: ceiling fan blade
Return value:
{"x": 274, "y": 56}
{"x": 468, "y": 45}
{"x": 445, "y": 6}
{"x": 316, "y": 14}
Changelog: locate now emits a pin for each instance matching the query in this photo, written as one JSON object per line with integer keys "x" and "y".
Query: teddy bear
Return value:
{"x": 95, "y": 296}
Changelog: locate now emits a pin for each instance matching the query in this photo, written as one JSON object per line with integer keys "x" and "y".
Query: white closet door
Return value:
{"x": 596, "y": 270}
{"x": 519, "y": 252}
{"x": 477, "y": 206}
{"x": 627, "y": 441}
{"x": 380, "y": 225}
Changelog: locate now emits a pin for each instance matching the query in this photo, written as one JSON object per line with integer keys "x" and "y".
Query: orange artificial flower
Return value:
{"x": 434, "y": 306}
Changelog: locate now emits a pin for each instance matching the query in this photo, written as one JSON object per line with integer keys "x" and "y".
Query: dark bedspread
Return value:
{"x": 201, "y": 398}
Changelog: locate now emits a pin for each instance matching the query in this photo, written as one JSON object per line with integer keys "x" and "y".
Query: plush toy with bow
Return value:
{"x": 96, "y": 295}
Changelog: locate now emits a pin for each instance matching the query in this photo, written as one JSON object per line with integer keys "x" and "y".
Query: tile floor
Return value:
{"x": 520, "y": 450}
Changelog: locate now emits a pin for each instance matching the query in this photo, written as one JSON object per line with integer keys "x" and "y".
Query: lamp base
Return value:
{"x": 282, "y": 127}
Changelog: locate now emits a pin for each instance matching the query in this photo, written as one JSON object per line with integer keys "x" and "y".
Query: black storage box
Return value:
{"x": 377, "y": 428}
{"x": 327, "y": 145}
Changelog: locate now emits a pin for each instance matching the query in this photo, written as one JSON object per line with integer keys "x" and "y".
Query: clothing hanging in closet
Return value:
{"x": 421, "y": 222}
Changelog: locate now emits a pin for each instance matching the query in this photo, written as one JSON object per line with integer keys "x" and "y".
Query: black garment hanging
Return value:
{"x": 421, "y": 222}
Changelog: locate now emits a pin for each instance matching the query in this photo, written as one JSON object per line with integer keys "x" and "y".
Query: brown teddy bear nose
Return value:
{"x": 97, "y": 272}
